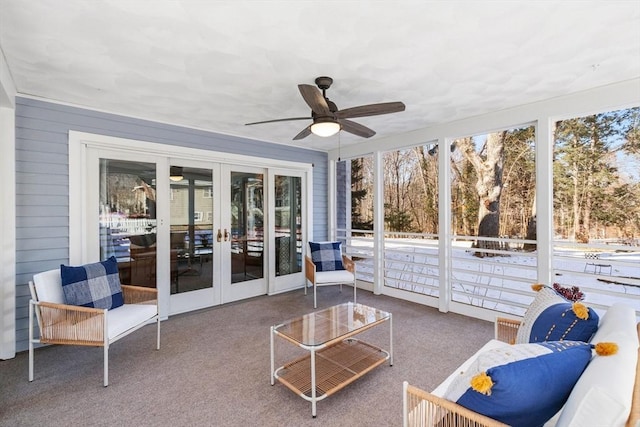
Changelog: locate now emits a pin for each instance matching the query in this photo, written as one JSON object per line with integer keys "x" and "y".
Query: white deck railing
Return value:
{"x": 500, "y": 282}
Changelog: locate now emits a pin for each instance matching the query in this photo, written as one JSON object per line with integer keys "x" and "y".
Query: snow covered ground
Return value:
{"x": 503, "y": 283}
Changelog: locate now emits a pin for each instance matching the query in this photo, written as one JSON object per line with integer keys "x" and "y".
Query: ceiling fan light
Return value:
{"x": 326, "y": 128}
{"x": 176, "y": 174}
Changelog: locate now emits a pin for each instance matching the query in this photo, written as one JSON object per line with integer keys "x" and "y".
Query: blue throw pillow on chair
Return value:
{"x": 327, "y": 256}
{"x": 93, "y": 285}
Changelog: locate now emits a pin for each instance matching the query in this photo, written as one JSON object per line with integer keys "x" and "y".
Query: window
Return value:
{"x": 493, "y": 219}
{"x": 411, "y": 219}
{"x": 596, "y": 204}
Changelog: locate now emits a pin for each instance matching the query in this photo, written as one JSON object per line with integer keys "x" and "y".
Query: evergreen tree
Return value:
{"x": 584, "y": 177}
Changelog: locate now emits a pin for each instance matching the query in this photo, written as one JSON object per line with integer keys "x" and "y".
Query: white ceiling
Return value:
{"x": 216, "y": 65}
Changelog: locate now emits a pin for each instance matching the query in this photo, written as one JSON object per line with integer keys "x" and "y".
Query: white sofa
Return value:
{"x": 606, "y": 393}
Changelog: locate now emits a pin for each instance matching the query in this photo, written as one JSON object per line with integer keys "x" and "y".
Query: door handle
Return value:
{"x": 219, "y": 237}
{"x": 226, "y": 235}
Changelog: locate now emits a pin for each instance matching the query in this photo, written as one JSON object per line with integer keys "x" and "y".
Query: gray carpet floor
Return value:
{"x": 213, "y": 370}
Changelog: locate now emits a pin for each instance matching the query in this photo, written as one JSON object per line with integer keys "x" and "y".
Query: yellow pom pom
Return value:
{"x": 581, "y": 311}
{"x": 537, "y": 286}
{"x": 482, "y": 383}
{"x": 606, "y": 348}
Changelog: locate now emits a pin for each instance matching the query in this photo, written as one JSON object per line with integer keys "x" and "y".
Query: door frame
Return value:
{"x": 79, "y": 142}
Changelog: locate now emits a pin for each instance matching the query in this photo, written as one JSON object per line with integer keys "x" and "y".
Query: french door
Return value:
{"x": 194, "y": 248}
{"x": 203, "y": 232}
{"x": 217, "y": 234}
{"x": 288, "y": 227}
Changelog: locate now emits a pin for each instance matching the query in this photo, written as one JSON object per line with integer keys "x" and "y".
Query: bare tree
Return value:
{"x": 488, "y": 165}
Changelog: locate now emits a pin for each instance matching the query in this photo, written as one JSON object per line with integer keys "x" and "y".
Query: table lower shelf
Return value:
{"x": 336, "y": 367}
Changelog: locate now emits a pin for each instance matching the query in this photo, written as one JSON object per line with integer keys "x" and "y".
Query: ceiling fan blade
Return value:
{"x": 370, "y": 110}
{"x": 303, "y": 134}
{"x": 278, "y": 120}
{"x": 356, "y": 128}
{"x": 315, "y": 100}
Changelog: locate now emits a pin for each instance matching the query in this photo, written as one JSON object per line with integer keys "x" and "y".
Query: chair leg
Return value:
{"x": 354, "y": 291}
{"x": 315, "y": 305}
{"x": 30, "y": 360}
{"x": 158, "y": 337}
{"x": 31, "y": 342}
{"x": 106, "y": 365}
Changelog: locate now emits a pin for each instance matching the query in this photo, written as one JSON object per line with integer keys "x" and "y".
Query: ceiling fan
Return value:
{"x": 328, "y": 120}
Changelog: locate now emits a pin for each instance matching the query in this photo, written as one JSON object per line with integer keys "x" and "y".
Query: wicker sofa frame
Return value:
{"x": 421, "y": 408}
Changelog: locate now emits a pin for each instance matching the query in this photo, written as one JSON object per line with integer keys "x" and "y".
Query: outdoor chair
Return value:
{"x": 593, "y": 261}
{"x": 327, "y": 266}
{"x": 62, "y": 323}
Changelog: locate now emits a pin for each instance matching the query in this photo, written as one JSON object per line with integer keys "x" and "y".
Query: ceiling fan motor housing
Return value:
{"x": 324, "y": 82}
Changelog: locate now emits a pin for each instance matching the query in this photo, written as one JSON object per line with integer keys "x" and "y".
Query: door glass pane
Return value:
{"x": 288, "y": 224}
{"x": 128, "y": 219}
{"x": 191, "y": 229}
{"x": 247, "y": 233}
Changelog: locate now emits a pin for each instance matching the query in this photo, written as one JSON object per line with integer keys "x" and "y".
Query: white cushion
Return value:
{"x": 49, "y": 286}
{"x": 606, "y": 379}
{"x": 442, "y": 388}
{"x": 597, "y": 408}
{"x": 618, "y": 317}
{"x": 336, "y": 276}
{"x": 127, "y": 316}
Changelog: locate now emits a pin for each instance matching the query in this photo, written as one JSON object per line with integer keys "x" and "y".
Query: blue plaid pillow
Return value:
{"x": 327, "y": 256}
{"x": 93, "y": 285}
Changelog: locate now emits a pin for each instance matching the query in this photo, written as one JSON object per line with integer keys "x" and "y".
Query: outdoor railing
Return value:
{"x": 605, "y": 272}
{"x": 498, "y": 276}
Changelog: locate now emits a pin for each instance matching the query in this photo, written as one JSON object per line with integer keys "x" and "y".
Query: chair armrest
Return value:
{"x": 425, "y": 409}
{"x": 506, "y": 329}
{"x": 70, "y": 324}
{"x": 348, "y": 263}
{"x": 139, "y": 295}
{"x": 309, "y": 269}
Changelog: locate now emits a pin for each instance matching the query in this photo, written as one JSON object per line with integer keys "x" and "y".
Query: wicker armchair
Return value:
{"x": 60, "y": 323}
{"x": 328, "y": 278}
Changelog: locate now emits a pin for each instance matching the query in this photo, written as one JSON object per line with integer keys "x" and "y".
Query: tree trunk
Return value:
{"x": 588, "y": 202}
{"x": 575, "y": 233}
{"x": 488, "y": 187}
{"x": 532, "y": 228}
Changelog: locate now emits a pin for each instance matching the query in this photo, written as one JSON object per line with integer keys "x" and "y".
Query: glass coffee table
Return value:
{"x": 335, "y": 358}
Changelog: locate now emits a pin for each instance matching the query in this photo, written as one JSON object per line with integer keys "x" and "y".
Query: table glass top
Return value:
{"x": 325, "y": 325}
